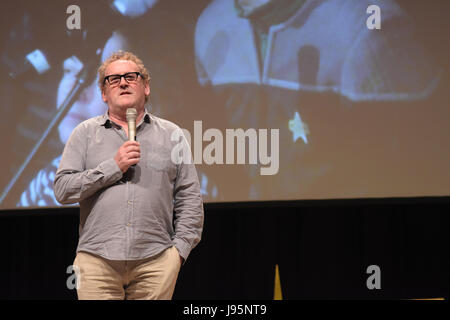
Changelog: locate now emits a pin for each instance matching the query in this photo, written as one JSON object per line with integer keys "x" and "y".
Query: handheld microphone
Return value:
{"x": 131, "y": 120}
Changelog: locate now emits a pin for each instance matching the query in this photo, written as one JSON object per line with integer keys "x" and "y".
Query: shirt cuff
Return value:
{"x": 111, "y": 170}
{"x": 183, "y": 248}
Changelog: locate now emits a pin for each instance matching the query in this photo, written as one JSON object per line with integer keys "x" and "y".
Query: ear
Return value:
{"x": 104, "y": 96}
{"x": 147, "y": 89}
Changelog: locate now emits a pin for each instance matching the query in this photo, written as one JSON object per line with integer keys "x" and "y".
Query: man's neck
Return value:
{"x": 121, "y": 119}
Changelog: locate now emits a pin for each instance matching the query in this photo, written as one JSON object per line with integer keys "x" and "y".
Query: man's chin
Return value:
{"x": 126, "y": 101}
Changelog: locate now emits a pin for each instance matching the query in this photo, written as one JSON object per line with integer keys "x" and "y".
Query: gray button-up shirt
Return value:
{"x": 156, "y": 204}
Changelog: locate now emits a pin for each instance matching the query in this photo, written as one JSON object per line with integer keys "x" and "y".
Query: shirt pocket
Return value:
{"x": 158, "y": 158}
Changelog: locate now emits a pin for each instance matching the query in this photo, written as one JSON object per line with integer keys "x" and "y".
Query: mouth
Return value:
{"x": 124, "y": 93}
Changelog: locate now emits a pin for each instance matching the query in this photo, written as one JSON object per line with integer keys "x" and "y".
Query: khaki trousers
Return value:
{"x": 147, "y": 279}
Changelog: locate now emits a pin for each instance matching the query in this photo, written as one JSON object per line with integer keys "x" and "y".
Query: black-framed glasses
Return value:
{"x": 114, "y": 79}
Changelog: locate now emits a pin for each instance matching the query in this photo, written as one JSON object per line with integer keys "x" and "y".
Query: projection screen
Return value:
{"x": 280, "y": 99}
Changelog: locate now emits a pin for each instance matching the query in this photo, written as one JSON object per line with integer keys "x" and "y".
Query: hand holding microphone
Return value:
{"x": 129, "y": 153}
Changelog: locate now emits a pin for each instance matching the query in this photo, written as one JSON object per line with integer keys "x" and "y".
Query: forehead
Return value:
{"x": 121, "y": 66}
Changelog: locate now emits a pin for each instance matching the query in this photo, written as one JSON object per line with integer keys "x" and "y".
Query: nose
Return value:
{"x": 123, "y": 83}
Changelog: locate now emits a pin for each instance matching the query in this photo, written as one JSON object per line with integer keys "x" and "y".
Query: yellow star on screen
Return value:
{"x": 299, "y": 129}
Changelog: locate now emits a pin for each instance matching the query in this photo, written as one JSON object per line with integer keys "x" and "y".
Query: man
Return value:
{"x": 140, "y": 213}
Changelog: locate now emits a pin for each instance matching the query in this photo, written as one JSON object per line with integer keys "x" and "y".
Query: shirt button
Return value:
{"x": 130, "y": 202}
{"x": 128, "y": 224}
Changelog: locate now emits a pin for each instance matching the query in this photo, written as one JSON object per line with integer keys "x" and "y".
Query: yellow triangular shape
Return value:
{"x": 277, "y": 295}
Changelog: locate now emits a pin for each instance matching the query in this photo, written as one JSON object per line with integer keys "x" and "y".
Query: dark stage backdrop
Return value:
{"x": 323, "y": 249}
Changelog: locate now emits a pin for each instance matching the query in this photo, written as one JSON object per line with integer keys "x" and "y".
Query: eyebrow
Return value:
{"x": 122, "y": 74}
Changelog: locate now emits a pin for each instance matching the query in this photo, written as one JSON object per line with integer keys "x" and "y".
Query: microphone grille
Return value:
{"x": 131, "y": 114}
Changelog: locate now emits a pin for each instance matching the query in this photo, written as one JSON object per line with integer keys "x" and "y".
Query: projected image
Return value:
{"x": 265, "y": 60}
{"x": 357, "y": 93}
